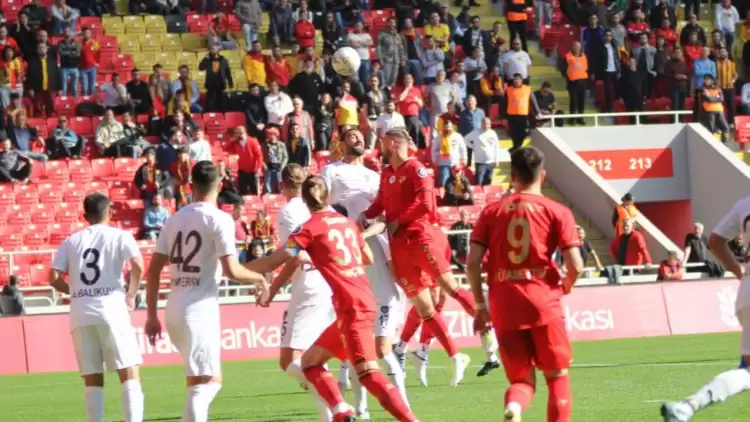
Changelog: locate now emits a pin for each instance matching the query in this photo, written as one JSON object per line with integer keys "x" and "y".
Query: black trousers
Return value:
{"x": 518, "y": 30}
{"x": 730, "y": 103}
{"x": 56, "y": 149}
{"x": 609, "y": 79}
{"x": 248, "y": 183}
{"x": 716, "y": 121}
{"x": 414, "y": 126}
{"x": 214, "y": 101}
{"x": 517, "y": 127}
{"x": 18, "y": 174}
{"x": 577, "y": 94}
{"x": 693, "y": 6}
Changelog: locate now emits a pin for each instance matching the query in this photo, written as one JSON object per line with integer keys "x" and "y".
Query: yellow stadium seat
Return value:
{"x": 194, "y": 42}
{"x": 114, "y": 27}
{"x": 155, "y": 24}
{"x": 150, "y": 43}
{"x": 132, "y": 18}
{"x": 129, "y": 45}
{"x": 172, "y": 45}
{"x": 166, "y": 60}
{"x": 141, "y": 60}
{"x": 135, "y": 27}
{"x": 186, "y": 57}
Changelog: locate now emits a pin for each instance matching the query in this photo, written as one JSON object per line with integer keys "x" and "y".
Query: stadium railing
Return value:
{"x": 637, "y": 114}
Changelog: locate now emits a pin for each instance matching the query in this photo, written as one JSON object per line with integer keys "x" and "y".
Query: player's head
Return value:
{"x": 355, "y": 143}
{"x": 526, "y": 168}
{"x": 205, "y": 181}
{"x": 292, "y": 178}
{"x": 394, "y": 143}
{"x": 315, "y": 193}
{"x": 96, "y": 208}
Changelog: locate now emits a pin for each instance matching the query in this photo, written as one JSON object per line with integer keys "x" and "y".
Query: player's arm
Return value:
{"x": 57, "y": 281}
{"x": 284, "y": 276}
{"x": 153, "y": 279}
{"x": 374, "y": 229}
{"x": 58, "y": 269}
{"x": 366, "y": 254}
{"x": 268, "y": 263}
{"x": 719, "y": 239}
{"x": 226, "y": 246}
{"x": 132, "y": 254}
{"x": 569, "y": 245}
{"x": 480, "y": 239}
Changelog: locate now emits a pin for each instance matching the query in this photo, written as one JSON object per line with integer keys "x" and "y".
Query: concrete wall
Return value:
{"x": 586, "y": 190}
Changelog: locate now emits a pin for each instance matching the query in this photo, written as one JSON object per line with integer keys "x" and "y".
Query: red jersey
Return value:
{"x": 89, "y": 54}
{"x": 406, "y": 195}
{"x": 335, "y": 246}
{"x": 520, "y": 233}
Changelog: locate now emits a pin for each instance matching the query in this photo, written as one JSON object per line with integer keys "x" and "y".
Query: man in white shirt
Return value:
{"x": 439, "y": 95}
{"x": 458, "y": 79}
{"x": 448, "y": 150}
{"x": 109, "y": 135}
{"x": 516, "y": 61}
{"x": 389, "y": 119}
{"x": 115, "y": 95}
{"x": 94, "y": 259}
{"x": 361, "y": 41}
{"x": 486, "y": 146}
{"x": 352, "y": 188}
{"x": 199, "y": 242}
{"x": 474, "y": 66}
{"x": 727, "y": 18}
{"x": 200, "y": 149}
{"x": 745, "y": 95}
{"x": 278, "y": 104}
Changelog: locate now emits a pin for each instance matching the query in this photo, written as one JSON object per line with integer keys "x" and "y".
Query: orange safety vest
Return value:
{"x": 518, "y": 100}
{"x": 624, "y": 213}
{"x": 578, "y": 67}
{"x": 517, "y": 11}
{"x": 713, "y": 107}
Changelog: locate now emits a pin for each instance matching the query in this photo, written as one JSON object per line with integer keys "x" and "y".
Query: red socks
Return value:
{"x": 427, "y": 336}
{"x": 560, "y": 401}
{"x": 465, "y": 299}
{"x": 413, "y": 321}
{"x": 520, "y": 393}
{"x": 388, "y": 396}
{"x": 325, "y": 384}
{"x": 437, "y": 327}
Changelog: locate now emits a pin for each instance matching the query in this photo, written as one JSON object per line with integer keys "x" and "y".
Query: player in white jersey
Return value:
{"x": 352, "y": 188}
{"x": 94, "y": 259}
{"x": 199, "y": 243}
{"x": 734, "y": 381}
{"x": 310, "y": 310}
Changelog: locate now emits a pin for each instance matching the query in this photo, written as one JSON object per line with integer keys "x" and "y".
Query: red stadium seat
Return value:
{"x": 233, "y": 119}
{"x": 77, "y": 226}
{"x": 478, "y": 194}
{"x": 40, "y": 125}
{"x": 23, "y": 275}
{"x": 58, "y": 233}
{"x": 119, "y": 193}
{"x": 38, "y": 274}
{"x": 65, "y": 106}
{"x": 472, "y": 212}
{"x": 35, "y": 235}
{"x": 56, "y": 171}
{"x": 82, "y": 126}
{"x": 26, "y": 194}
{"x": 79, "y": 170}
{"x": 67, "y": 214}
{"x": 447, "y": 215}
{"x": 6, "y": 195}
{"x": 125, "y": 168}
{"x": 50, "y": 193}
{"x": 51, "y": 124}
{"x": 37, "y": 171}
{"x": 42, "y": 214}
{"x": 73, "y": 192}
{"x": 94, "y": 23}
{"x": 102, "y": 169}
{"x": 99, "y": 186}
{"x": 10, "y": 237}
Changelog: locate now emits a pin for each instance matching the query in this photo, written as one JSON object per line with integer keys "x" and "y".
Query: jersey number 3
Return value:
{"x": 347, "y": 244}
{"x": 91, "y": 259}
{"x": 519, "y": 238}
{"x": 193, "y": 242}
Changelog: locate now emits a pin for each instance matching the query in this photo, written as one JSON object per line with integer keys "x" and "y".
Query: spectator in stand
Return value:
{"x": 115, "y": 95}
{"x": 645, "y": 63}
{"x": 308, "y": 86}
{"x": 14, "y": 167}
{"x": 199, "y": 149}
{"x": 605, "y": 66}
{"x": 303, "y": 10}
{"x": 301, "y": 117}
{"x": 390, "y": 52}
{"x": 304, "y": 32}
{"x": 692, "y": 50}
{"x": 433, "y": 58}
{"x": 670, "y": 268}
{"x": 218, "y": 79}
{"x": 11, "y": 299}
{"x": 471, "y": 117}
{"x": 24, "y": 35}
{"x": 726, "y": 73}
{"x": 43, "y": 38}
{"x": 586, "y": 251}
{"x": 491, "y": 91}
{"x": 241, "y": 232}
{"x": 189, "y": 87}
{"x": 669, "y": 34}
{"x": 165, "y": 85}
{"x": 745, "y": 95}
{"x": 293, "y": 57}
{"x": 516, "y": 61}
{"x": 448, "y": 150}
{"x": 308, "y": 56}
{"x": 228, "y": 193}
{"x": 438, "y": 95}
{"x": 576, "y": 71}
{"x": 629, "y": 247}
{"x": 717, "y": 43}
{"x": 7, "y": 41}
{"x": 63, "y": 17}
{"x": 263, "y": 231}
{"x": 696, "y": 252}
{"x": 390, "y": 119}
{"x": 348, "y": 13}
{"x": 413, "y": 42}
{"x": 661, "y": 58}
{"x": 738, "y": 248}
{"x": 324, "y": 122}
{"x": 626, "y": 210}
{"x": 109, "y": 133}
{"x": 520, "y": 103}
{"x": 154, "y": 218}
{"x": 486, "y": 146}
{"x": 545, "y": 101}
{"x": 619, "y": 31}
{"x": 361, "y": 41}
{"x": 70, "y": 60}
{"x": 218, "y": 34}
{"x": 282, "y": 23}
{"x": 662, "y": 11}
{"x": 459, "y": 242}
{"x": 278, "y": 104}
{"x": 299, "y": 150}
{"x": 17, "y": 105}
{"x": 333, "y": 34}
{"x": 712, "y": 104}
{"x": 254, "y": 65}
{"x": 42, "y": 77}
{"x": 277, "y": 69}
{"x": 180, "y": 174}
{"x": 276, "y": 158}
{"x": 727, "y": 19}
{"x": 89, "y": 62}
{"x": 692, "y": 27}
{"x": 250, "y": 15}
{"x": 476, "y": 38}
{"x": 517, "y": 18}
{"x": 139, "y": 94}
{"x": 592, "y": 37}
{"x": 637, "y": 27}
{"x": 151, "y": 180}
{"x": 374, "y": 106}
{"x": 475, "y": 67}
{"x": 410, "y": 102}
{"x": 634, "y": 7}
{"x": 457, "y": 188}
{"x": 11, "y": 76}
{"x": 25, "y": 138}
{"x": 677, "y": 74}
{"x": 36, "y": 12}
{"x": 255, "y": 113}
{"x": 250, "y": 161}
{"x": 156, "y": 97}
{"x": 458, "y": 82}
{"x": 64, "y": 142}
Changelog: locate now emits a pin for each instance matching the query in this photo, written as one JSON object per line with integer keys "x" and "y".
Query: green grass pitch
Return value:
{"x": 618, "y": 380}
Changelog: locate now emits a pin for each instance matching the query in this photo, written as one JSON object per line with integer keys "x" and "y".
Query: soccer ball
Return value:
{"x": 346, "y": 61}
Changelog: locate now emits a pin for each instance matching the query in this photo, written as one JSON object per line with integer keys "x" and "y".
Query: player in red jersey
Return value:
{"x": 520, "y": 233}
{"x": 333, "y": 244}
{"x": 407, "y": 198}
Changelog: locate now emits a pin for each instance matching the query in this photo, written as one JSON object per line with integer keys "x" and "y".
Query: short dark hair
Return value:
{"x": 95, "y": 207}
{"x": 526, "y": 164}
{"x": 546, "y": 84}
{"x": 293, "y": 175}
{"x": 157, "y": 66}
{"x": 205, "y": 176}
{"x": 13, "y": 280}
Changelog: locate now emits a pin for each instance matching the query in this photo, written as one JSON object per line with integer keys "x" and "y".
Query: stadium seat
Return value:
{"x": 67, "y": 214}
{"x": 79, "y": 170}
{"x": 94, "y": 23}
{"x": 18, "y": 215}
{"x": 233, "y": 119}
{"x": 58, "y": 233}
{"x": 50, "y": 193}
{"x": 119, "y": 193}
{"x": 56, "y": 171}
{"x": 6, "y": 195}
{"x": 125, "y": 168}
{"x": 38, "y": 274}
{"x": 472, "y": 212}
{"x": 40, "y": 125}
{"x": 25, "y": 194}
{"x": 23, "y": 275}
{"x": 82, "y": 126}
{"x": 102, "y": 169}
{"x": 43, "y": 214}
{"x": 447, "y": 215}
{"x": 65, "y": 106}
{"x": 34, "y": 235}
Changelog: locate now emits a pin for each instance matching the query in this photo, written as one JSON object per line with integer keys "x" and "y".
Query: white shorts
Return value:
{"x": 199, "y": 344}
{"x": 743, "y": 315}
{"x": 390, "y": 315}
{"x": 302, "y": 325}
{"x": 112, "y": 345}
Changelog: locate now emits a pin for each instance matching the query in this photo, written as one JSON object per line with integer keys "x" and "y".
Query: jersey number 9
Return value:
{"x": 519, "y": 238}
{"x": 348, "y": 245}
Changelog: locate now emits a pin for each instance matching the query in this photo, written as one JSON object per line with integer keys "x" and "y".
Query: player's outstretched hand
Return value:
{"x": 567, "y": 284}
{"x": 481, "y": 321}
{"x": 263, "y": 295}
{"x": 392, "y": 228}
{"x": 153, "y": 330}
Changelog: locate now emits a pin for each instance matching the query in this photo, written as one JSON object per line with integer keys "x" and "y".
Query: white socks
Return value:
{"x": 396, "y": 374}
{"x": 719, "y": 389}
{"x": 401, "y": 347}
{"x": 360, "y": 395}
{"x": 132, "y": 401}
{"x": 295, "y": 371}
{"x": 94, "y": 404}
{"x": 198, "y": 400}
{"x": 424, "y": 351}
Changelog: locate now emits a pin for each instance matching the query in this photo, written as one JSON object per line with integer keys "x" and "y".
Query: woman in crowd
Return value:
{"x": 263, "y": 231}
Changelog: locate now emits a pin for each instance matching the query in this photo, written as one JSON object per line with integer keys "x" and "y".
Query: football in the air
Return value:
{"x": 346, "y": 61}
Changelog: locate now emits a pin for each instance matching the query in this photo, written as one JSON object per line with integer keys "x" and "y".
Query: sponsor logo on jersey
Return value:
{"x": 402, "y": 179}
{"x": 392, "y": 179}
{"x": 422, "y": 172}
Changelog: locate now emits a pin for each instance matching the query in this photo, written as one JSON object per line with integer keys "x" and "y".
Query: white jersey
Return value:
{"x": 734, "y": 223}
{"x": 94, "y": 259}
{"x": 308, "y": 287}
{"x": 352, "y": 186}
{"x": 194, "y": 239}
{"x": 381, "y": 279}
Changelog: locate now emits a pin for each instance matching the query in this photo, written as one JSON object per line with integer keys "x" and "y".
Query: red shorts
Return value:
{"x": 546, "y": 347}
{"x": 351, "y": 337}
{"x": 418, "y": 265}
